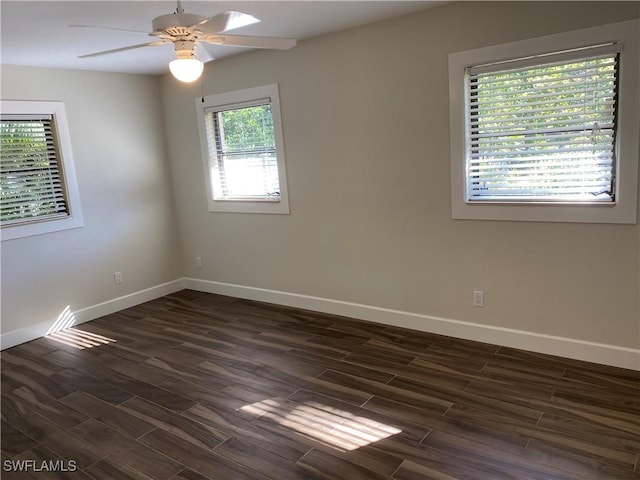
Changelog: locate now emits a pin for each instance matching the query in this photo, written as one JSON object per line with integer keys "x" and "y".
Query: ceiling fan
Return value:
{"x": 187, "y": 32}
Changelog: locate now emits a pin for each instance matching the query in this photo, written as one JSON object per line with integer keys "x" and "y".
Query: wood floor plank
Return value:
{"x": 597, "y": 434}
{"x": 551, "y": 361}
{"x": 464, "y": 454}
{"x": 511, "y": 391}
{"x": 137, "y": 387}
{"x": 39, "y": 363}
{"x": 92, "y": 386}
{"x": 237, "y": 426}
{"x": 347, "y": 393}
{"x": 513, "y": 442}
{"x": 197, "y": 386}
{"x": 583, "y": 467}
{"x": 422, "y": 372}
{"x": 433, "y": 359}
{"x": 244, "y": 385}
{"x": 37, "y": 349}
{"x": 186, "y": 428}
{"x": 49, "y": 466}
{"x": 414, "y": 471}
{"x": 214, "y": 394}
{"x": 616, "y": 400}
{"x": 188, "y": 474}
{"x": 212, "y": 351}
{"x": 240, "y": 451}
{"x": 251, "y": 394}
{"x": 339, "y": 365}
{"x": 131, "y": 352}
{"x": 62, "y": 442}
{"x": 287, "y": 361}
{"x": 436, "y": 465}
{"x": 465, "y": 398}
{"x": 377, "y": 460}
{"x": 128, "y": 451}
{"x": 387, "y": 390}
{"x": 46, "y": 406}
{"x": 114, "y": 417}
{"x": 112, "y": 470}
{"x": 203, "y": 339}
{"x": 204, "y": 462}
{"x": 14, "y": 441}
{"x": 462, "y": 446}
{"x": 533, "y": 378}
{"x": 613, "y": 418}
{"x": 331, "y": 467}
{"x": 137, "y": 370}
{"x": 38, "y": 382}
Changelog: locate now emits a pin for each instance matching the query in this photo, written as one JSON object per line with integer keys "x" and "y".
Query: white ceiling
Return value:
{"x": 35, "y": 32}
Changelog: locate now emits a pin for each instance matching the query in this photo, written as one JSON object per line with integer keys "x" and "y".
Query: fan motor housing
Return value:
{"x": 166, "y": 22}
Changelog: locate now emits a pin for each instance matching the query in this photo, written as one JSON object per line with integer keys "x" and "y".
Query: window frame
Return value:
{"x": 624, "y": 209}
{"x": 241, "y": 98}
{"x": 62, "y": 139}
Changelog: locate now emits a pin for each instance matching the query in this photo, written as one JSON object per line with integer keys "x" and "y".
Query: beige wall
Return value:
{"x": 366, "y": 130}
{"x": 116, "y": 129}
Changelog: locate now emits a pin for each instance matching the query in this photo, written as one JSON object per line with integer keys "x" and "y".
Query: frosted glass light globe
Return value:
{"x": 186, "y": 69}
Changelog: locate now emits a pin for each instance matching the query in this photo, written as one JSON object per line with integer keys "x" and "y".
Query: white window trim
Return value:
{"x": 236, "y": 97}
{"x": 624, "y": 209}
{"x": 48, "y": 225}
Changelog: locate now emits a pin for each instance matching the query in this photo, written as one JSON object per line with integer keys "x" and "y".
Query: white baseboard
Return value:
{"x": 536, "y": 342}
{"x": 76, "y": 317}
{"x": 553, "y": 345}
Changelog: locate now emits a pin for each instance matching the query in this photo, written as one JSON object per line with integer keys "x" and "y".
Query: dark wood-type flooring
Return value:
{"x": 197, "y": 386}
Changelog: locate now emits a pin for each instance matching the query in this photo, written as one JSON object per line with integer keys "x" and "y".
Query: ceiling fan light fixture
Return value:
{"x": 189, "y": 32}
{"x": 186, "y": 70}
{"x": 186, "y": 67}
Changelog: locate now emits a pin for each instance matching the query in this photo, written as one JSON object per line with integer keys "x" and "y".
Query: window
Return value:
{"x": 543, "y": 132}
{"x": 242, "y": 150}
{"x": 38, "y": 192}
{"x": 541, "y": 136}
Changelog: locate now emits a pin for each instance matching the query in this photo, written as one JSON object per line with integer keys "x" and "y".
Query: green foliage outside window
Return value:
{"x": 30, "y": 183}
{"x": 247, "y": 129}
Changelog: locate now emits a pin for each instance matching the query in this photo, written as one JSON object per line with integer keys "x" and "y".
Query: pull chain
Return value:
{"x": 202, "y": 84}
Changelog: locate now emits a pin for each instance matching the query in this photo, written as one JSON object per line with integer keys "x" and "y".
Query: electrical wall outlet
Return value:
{"x": 117, "y": 278}
{"x": 478, "y": 298}
{"x": 199, "y": 262}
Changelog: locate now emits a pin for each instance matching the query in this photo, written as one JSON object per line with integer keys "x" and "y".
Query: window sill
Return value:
{"x": 544, "y": 212}
{"x": 249, "y": 206}
{"x": 13, "y": 232}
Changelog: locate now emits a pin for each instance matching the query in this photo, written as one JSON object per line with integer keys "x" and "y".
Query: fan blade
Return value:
{"x": 202, "y": 53}
{"x": 107, "y": 28}
{"x": 123, "y": 49}
{"x": 252, "y": 42}
{"x": 226, "y": 21}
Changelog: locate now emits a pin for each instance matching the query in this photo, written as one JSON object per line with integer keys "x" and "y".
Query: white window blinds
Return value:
{"x": 242, "y": 151}
{"x": 543, "y": 128}
{"x": 31, "y": 180}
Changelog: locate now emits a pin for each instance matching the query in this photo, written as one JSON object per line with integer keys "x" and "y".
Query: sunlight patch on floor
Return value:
{"x": 329, "y": 425}
{"x": 80, "y": 339}
{"x": 62, "y": 332}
